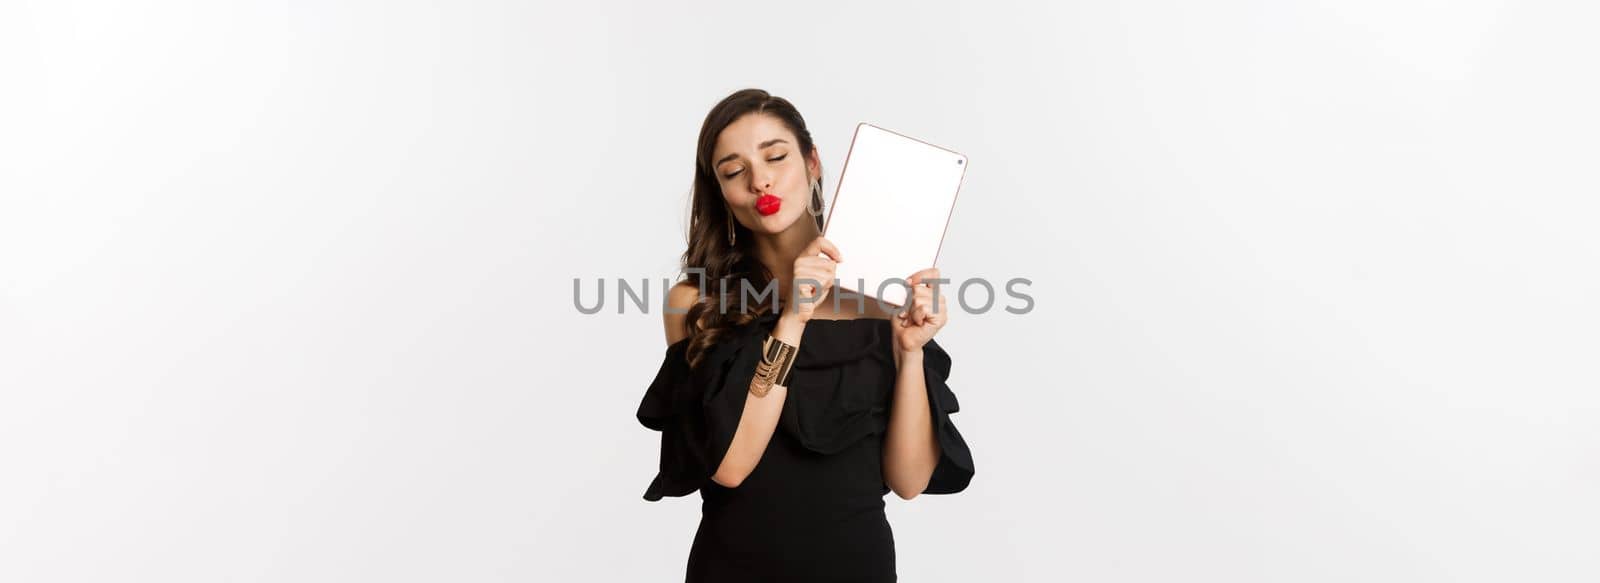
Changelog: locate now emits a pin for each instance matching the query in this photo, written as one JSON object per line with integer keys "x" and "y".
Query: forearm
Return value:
{"x": 759, "y": 419}
{"x": 910, "y": 452}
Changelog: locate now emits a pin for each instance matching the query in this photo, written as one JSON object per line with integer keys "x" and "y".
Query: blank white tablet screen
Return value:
{"x": 890, "y": 210}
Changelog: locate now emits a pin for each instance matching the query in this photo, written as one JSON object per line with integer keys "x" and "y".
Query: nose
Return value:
{"x": 762, "y": 183}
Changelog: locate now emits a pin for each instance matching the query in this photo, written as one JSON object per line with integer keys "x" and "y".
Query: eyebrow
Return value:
{"x": 763, "y": 146}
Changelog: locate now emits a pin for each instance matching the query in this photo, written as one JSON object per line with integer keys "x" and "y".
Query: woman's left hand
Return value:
{"x": 921, "y": 317}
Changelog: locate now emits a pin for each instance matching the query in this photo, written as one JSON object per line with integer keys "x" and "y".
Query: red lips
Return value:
{"x": 768, "y": 204}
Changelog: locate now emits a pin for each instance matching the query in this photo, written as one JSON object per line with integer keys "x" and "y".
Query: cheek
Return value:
{"x": 796, "y": 179}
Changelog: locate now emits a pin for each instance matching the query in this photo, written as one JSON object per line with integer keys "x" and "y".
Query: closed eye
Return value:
{"x": 730, "y": 176}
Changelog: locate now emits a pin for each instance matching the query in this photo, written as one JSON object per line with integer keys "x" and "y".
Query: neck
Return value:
{"x": 778, "y": 251}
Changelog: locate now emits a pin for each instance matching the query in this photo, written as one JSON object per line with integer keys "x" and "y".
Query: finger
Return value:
{"x": 819, "y": 269}
{"x": 815, "y": 266}
{"x": 825, "y": 281}
{"x": 818, "y": 262}
{"x": 827, "y": 247}
{"x": 929, "y": 273}
{"x": 820, "y": 274}
{"x": 812, "y": 264}
{"x": 812, "y": 248}
{"x": 805, "y": 285}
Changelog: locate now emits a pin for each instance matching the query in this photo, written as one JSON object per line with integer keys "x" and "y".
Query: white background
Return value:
{"x": 286, "y": 287}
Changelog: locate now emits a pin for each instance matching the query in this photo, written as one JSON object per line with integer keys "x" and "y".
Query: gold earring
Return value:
{"x": 730, "y": 226}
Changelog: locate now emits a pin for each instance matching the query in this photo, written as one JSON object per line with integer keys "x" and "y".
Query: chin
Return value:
{"x": 777, "y": 223}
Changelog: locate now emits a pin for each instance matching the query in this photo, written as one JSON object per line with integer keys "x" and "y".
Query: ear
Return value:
{"x": 814, "y": 164}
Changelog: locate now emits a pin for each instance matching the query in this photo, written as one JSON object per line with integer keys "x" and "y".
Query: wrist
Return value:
{"x": 789, "y": 328}
{"x": 903, "y": 356}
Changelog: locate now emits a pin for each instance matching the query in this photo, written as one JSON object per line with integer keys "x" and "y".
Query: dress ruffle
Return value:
{"x": 839, "y": 393}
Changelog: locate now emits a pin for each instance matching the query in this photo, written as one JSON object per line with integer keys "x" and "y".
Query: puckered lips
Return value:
{"x": 768, "y": 204}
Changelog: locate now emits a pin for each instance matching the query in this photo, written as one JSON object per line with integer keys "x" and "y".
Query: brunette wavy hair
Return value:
{"x": 715, "y": 313}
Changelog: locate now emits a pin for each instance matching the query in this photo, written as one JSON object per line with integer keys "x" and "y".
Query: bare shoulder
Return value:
{"x": 675, "y": 321}
{"x": 683, "y": 294}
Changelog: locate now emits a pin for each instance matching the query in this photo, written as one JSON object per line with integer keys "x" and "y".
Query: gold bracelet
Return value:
{"x": 777, "y": 357}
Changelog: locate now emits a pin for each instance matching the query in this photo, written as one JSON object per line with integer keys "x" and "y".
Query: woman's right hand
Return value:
{"x": 813, "y": 265}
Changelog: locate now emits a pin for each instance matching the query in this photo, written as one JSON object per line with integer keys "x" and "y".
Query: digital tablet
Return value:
{"x": 893, "y": 201}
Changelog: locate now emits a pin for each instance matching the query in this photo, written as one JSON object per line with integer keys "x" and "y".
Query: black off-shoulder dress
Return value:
{"x": 813, "y": 508}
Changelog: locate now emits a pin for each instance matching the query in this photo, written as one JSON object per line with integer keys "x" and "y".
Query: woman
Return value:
{"x": 792, "y": 420}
